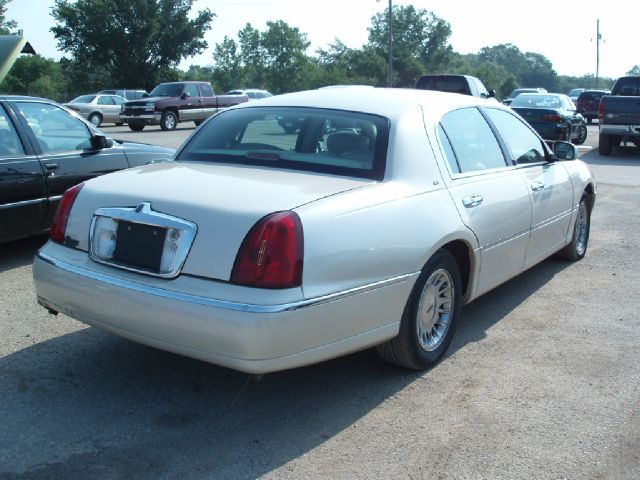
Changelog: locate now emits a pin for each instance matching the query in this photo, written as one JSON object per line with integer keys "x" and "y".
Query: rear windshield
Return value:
{"x": 83, "y": 99}
{"x": 536, "y": 100}
{"x": 629, "y": 86}
{"x": 306, "y": 139}
{"x": 444, "y": 84}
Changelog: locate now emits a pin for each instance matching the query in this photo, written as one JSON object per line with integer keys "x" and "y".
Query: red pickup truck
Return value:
{"x": 171, "y": 103}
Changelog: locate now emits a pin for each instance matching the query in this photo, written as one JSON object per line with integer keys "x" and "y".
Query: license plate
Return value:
{"x": 633, "y": 128}
{"x": 139, "y": 245}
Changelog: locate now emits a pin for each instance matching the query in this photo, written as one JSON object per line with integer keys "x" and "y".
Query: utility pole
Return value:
{"x": 598, "y": 36}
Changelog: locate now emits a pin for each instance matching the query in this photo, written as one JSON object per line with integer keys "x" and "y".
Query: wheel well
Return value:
{"x": 460, "y": 250}
{"x": 173, "y": 110}
{"x": 95, "y": 113}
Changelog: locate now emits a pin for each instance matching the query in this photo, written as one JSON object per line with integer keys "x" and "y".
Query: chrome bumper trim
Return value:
{"x": 212, "y": 302}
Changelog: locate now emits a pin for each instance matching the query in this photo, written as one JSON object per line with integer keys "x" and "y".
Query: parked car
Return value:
{"x": 126, "y": 93}
{"x": 518, "y": 91}
{"x": 574, "y": 93}
{"x": 261, "y": 251}
{"x": 171, "y": 103}
{"x": 553, "y": 115}
{"x": 464, "y": 84}
{"x": 619, "y": 115}
{"x": 46, "y": 149}
{"x": 98, "y": 108}
{"x": 589, "y": 102}
{"x": 252, "y": 93}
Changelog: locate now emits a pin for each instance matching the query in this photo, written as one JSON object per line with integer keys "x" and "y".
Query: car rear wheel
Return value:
{"x": 582, "y": 135}
{"x": 95, "y": 119}
{"x": 604, "y": 144}
{"x": 430, "y": 316}
{"x": 577, "y": 248}
{"x": 169, "y": 120}
{"x": 136, "y": 127}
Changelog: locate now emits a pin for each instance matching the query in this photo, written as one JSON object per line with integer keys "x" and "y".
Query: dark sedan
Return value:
{"x": 44, "y": 150}
{"x": 552, "y": 115}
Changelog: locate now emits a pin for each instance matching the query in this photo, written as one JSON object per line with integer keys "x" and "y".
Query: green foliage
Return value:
{"x": 35, "y": 75}
{"x": 7, "y": 27}
{"x": 129, "y": 43}
{"x": 420, "y": 42}
{"x": 635, "y": 70}
{"x": 274, "y": 59}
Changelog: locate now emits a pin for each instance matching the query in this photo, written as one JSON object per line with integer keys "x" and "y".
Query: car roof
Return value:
{"x": 9, "y": 98}
{"x": 385, "y": 102}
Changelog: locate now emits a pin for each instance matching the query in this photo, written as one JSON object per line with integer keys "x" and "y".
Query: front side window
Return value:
{"x": 472, "y": 140}
{"x": 55, "y": 129}
{"x": 308, "y": 139}
{"x": 523, "y": 144}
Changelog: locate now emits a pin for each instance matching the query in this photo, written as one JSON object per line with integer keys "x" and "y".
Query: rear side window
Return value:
{"x": 206, "y": 90}
{"x": 307, "y": 139}
{"x": 473, "y": 143}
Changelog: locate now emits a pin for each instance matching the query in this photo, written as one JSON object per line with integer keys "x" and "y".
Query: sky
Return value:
{"x": 562, "y": 31}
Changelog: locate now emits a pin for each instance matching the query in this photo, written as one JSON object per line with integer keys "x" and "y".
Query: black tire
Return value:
{"x": 96, "y": 119}
{"x": 169, "y": 120}
{"x": 582, "y": 135}
{"x": 136, "y": 127}
{"x": 604, "y": 144}
{"x": 439, "y": 282}
{"x": 577, "y": 248}
{"x": 119, "y": 124}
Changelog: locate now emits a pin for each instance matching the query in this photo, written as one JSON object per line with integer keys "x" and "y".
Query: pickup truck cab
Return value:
{"x": 619, "y": 115}
{"x": 463, "y": 84}
{"x": 171, "y": 103}
{"x": 46, "y": 149}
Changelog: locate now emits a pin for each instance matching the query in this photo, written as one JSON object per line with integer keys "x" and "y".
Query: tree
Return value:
{"x": 227, "y": 65}
{"x": 420, "y": 42}
{"x": 35, "y": 75}
{"x": 132, "y": 43}
{"x": 284, "y": 50}
{"x": 7, "y": 27}
{"x": 635, "y": 70}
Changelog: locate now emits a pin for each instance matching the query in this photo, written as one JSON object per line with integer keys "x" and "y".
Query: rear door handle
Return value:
{"x": 537, "y": 186}
{"x": 472, "y": 200}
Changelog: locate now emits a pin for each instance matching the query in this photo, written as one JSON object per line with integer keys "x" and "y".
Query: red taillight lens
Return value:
{"x": 271, "y": 253}
{"x": 59, "y": 225}
{"x": 601, "y": 110}
{"x": 551, "y": 118}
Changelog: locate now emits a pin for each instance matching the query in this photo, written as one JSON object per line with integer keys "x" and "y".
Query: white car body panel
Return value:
{"x": 365, "y": 241}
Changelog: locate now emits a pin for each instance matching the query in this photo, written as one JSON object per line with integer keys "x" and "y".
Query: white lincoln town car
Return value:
{"x": 369, "y": 222}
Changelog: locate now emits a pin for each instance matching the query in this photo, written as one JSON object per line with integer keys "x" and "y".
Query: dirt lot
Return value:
{"x": 542, "y": 381}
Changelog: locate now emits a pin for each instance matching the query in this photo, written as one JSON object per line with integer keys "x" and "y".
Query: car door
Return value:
{"x": 108, "y": 108}
{"x": 547, "y": 182}
{"x": 63, "y": 144}
{"x": 489, "y": 194}
{"x": 191, "y": 106}
{"x": 23, "y": 192}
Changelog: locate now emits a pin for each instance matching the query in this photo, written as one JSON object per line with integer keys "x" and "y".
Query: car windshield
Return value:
{"x": 306, "y": 139}
{"x": 167, "y": 90}
{"x": 538, "y": 101}
{"x": 83, "y": 99}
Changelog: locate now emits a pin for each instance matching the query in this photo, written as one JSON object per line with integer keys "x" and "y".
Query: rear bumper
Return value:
{"x": 553, "y": 131}
{"x": 245, "y": 337}
{"x": 628, "y": 131}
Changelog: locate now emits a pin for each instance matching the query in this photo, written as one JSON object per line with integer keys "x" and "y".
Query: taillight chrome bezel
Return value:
{"x": 143, "y": 214}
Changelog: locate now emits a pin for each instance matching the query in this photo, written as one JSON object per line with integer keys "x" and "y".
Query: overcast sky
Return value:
{"x": 563, "y": 31}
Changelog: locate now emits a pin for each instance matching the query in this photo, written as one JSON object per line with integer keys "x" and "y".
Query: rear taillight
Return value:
{"x": 601, "y": 110}
{"x": 551, "y": 118}
{"x": 271, "y": 253}
{"x": 59, "y": 225}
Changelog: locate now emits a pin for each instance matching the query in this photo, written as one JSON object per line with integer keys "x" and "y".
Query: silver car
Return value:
{"x": 98, "y": 109}
{"x": 371, "y": 224}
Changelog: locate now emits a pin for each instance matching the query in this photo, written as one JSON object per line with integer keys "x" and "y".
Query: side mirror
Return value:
{"x": 184, "y": 95}
{"x": 492, "y": 93}
{"x": 99, "y": 142}
{"x": 580, "y": 110}
{"x": 145, "y": 95}
{"x": 565, "y": 151}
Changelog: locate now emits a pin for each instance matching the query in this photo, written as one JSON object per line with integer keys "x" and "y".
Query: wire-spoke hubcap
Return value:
{"x": 582, "y": 229}
{"x": 435, "y": 310}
